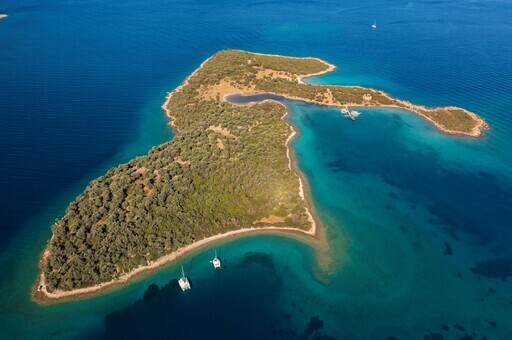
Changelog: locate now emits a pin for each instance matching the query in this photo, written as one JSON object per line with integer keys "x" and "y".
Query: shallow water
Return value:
{"x": 418, "y": 222}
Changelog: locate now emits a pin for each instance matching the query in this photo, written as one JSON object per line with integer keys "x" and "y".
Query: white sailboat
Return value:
{"x": 216, "y": 261}
{"x": 374, "y": 24}
{"x": 183, "y": 281}
{"x": 352, "y": 114}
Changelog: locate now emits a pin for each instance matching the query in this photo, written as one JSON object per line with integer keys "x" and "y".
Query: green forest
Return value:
{"x": 225, "y": 169}
{"x": 185, "y": 190}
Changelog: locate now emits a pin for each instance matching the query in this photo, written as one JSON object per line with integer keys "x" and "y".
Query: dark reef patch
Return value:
{"x": 242, "y": 302}
{"x": 494, "y": 268}
{"x": 452, "y": 196}
{"x": 451, "y": 232}
{"x": 314, "y": 324}
{"x": 447, "y": 249}
{"x": 460, "y": 328}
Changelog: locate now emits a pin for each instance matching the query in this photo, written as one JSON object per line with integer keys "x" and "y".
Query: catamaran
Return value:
{"x": 216, "y": 261}
{"x": 352, "y": 114}
{"x": 184, "y": 283}
{"x": 374, "y": 24}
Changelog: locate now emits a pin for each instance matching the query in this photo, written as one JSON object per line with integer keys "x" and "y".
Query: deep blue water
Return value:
{"x": 419, "y": 222}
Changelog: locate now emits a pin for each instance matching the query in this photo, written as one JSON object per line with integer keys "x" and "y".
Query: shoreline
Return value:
{"x": 331, "y": 67}
{"x": 477, "y": 131}
{"x": 167, "y": 112}
{"x": 312, "y": 235}
{"x": 44, "y": 297}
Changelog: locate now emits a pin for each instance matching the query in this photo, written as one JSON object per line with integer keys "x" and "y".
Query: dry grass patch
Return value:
{"x": 225, "y": 86}
{"x": 270, "y": 220}
{"x": 223, "y": 131}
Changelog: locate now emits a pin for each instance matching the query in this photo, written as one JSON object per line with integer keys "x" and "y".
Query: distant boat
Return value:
{"x": 344, "y": 110}
{"x": 374, "y": 24}
{"x": 184, "y": 282}
{"x": 216, "y": 261}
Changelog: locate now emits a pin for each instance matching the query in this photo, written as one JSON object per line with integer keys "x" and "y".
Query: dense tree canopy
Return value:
{"x": 226, "y": 169}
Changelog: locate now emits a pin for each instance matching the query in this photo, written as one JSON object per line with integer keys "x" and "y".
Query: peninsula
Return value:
{"x": 227, "y": 171}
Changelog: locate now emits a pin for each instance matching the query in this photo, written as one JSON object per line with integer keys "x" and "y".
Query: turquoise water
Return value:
{"x": 418, "y": 222}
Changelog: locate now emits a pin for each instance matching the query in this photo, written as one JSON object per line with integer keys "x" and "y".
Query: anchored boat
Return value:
{"x": 183, "y": 281}
{"x": 216, "y": 261}
{"x": 352, "y": 114}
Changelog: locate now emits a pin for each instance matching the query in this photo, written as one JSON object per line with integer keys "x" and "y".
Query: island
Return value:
{"x": 228, "y": 170}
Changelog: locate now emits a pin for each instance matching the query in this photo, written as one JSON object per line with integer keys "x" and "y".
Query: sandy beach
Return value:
{"x": 41, "y": 295}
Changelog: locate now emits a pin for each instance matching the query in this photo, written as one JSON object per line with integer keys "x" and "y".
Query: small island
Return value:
{"x": 227, "y": 171}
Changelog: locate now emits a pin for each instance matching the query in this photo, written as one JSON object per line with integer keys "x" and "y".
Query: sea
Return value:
{"x": 418, "y": 223}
